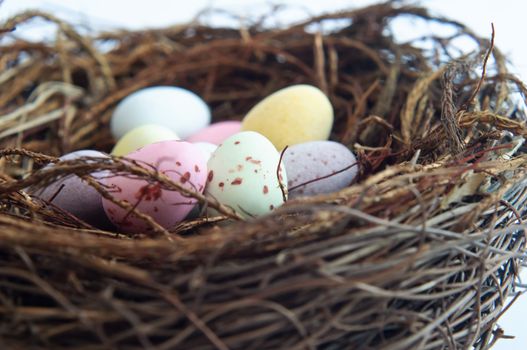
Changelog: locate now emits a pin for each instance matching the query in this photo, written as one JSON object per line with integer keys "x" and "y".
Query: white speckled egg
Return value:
{"x": 141, "y": 136}
{"x": 178, "y": 109}
{"x": 182, "y": 162}
{"x": 323, "y": 166}
{"x": 74, "y": 195}
{"x": 296, "y": 114}
{"x": 243, "y": 175}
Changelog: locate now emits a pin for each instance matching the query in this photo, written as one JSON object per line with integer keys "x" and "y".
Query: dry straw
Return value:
{"x": 421, "y": 253}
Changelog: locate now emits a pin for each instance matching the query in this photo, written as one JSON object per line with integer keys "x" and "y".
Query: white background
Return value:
{"x": 508, "y": 17}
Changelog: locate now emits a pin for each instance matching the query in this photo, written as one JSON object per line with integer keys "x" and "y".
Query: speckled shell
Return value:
{"x": 243, "y": 175}
{"x": 313, "y": 160}
{"x": 181, "y": 161}
{"x": 76, "y": 196}
{"x": 296, "y": 114}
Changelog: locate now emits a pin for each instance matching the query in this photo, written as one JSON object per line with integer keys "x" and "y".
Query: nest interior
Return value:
{"x": 422, "y": 252}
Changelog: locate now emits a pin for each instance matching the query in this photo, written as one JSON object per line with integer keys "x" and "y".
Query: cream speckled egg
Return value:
{"x": 296, "y": 114}
{"x": 141, "y": 136}
{"x": 176, "y": 108}
{"x": 243, "y": 175}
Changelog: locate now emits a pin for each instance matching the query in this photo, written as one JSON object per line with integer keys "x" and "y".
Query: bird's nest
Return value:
{"x": 421, "y": 253}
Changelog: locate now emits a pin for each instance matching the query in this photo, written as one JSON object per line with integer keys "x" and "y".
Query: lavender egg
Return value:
{"x": 75, "y": 196}
{"x": 319, "y": 167}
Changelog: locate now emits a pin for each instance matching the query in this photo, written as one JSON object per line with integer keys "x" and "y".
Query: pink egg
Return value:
{"x": 216, "y": 132}
{"x": 182, "y": 162}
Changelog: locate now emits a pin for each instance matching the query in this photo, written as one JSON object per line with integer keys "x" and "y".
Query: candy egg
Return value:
{"x": 182, "y": 162}
{"x": 243, "y": 175}
{"x": 322, "y": 166}
{"x": 207, "y": 148}
{"x": 296, "y": 114}
{"x": 178, "y": 109}
{"x": 141, "y": 136}
{"x": 216, "y": 133}
{"x": 76, "y": 196}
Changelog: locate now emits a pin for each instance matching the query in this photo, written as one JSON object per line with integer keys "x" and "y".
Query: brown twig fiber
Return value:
{"x": 421, "y": 253}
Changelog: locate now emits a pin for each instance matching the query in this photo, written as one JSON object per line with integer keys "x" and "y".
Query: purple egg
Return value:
{"x": 319, "y": 167}
{"x": 74, "y": 195}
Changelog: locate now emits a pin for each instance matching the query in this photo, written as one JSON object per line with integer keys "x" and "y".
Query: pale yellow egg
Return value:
{"x": 296, "y": 114}
{"x": 142, "y": 136}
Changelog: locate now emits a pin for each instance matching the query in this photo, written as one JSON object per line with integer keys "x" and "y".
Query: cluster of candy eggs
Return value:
{"x": 279, "y": 149}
